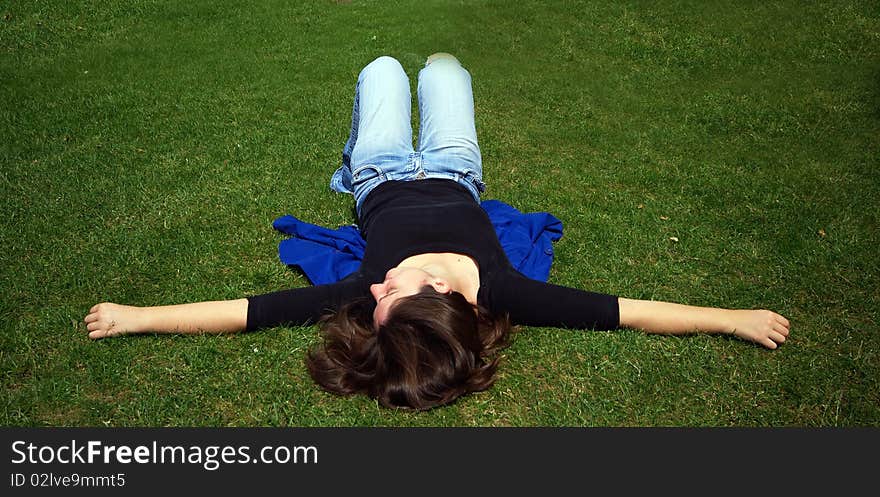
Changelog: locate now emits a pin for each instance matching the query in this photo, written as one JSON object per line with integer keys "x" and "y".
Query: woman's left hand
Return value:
{"x": 109, "y": 320}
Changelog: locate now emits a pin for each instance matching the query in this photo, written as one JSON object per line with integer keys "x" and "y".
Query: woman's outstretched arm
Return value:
{"x": 760, "y": 326}
{"x": 109, "y": 320}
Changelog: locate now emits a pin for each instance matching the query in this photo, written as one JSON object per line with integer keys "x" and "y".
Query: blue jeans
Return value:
{"x": 379, "y": 147}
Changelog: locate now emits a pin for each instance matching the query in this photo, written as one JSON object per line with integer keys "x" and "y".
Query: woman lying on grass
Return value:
{"x": 422, "y": 320}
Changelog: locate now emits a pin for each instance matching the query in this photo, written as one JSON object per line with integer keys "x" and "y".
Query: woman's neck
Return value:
{"x": 460, "y": 271}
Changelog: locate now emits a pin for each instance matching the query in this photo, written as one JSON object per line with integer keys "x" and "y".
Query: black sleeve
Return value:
{"x": 299, "y": 306}
{"x": 535, "y": 303}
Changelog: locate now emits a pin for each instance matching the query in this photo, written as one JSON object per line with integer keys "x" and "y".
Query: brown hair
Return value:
{"x": 432, "y": 349}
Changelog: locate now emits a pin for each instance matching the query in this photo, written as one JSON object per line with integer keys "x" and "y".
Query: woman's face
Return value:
{"x": 399, "y": 282}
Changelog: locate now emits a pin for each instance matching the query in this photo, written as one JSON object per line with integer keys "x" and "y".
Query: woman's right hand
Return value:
{"x": 109, "y": 320}
{"x": 763, "y": 327}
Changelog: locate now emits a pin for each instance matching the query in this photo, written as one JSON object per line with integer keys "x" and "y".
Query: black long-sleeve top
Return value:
{"x": 400, "y": 219}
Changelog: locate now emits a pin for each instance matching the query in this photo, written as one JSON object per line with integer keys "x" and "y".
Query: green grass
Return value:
{"x": 147, "y": 146}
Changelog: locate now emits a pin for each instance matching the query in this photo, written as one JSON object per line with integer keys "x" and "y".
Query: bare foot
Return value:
{"x": 760, "y": 326}
{"x": 109, "y": 320}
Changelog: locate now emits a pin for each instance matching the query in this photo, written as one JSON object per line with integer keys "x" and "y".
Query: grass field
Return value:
{"x": 147, "y": 146}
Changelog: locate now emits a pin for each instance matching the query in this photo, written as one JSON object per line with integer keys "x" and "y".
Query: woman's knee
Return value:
{"x": 441, "y": 56}
{"x": 443, "y": 70}
{"x": 384, "y": 64}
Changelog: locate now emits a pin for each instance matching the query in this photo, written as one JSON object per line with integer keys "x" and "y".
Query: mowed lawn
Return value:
{"x": 704, "y": 152}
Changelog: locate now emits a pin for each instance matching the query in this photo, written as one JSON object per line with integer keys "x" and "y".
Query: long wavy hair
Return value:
{"x": 432, "y": 349}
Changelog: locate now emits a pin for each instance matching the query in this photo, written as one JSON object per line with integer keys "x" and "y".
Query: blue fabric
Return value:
{"x": 329, "y": 255}
{"x": 380, "y": 144}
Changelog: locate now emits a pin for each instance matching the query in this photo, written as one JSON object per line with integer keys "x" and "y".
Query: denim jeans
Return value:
{"x": 380, "y": 148}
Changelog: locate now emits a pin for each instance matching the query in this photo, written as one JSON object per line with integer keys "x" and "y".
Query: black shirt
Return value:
{"x": 400, "y": 219}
